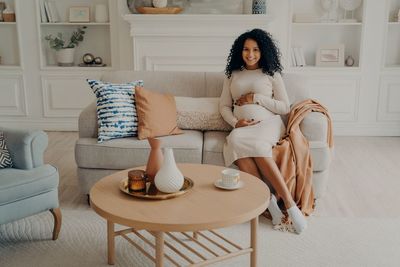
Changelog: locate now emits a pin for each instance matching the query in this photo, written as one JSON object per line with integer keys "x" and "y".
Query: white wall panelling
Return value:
{"x": 339, "y": 94}
{"x": 12, "y": 95}
{"x": 389, "y": 98}
{"x": 66, "y": 95}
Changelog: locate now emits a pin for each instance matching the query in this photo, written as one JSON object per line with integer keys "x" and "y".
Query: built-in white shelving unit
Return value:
{"x": 97, "y": 38}
{"x": 310, "y": 27}
{"x": 9, "y": 43}
{"x": 391, "y": 53}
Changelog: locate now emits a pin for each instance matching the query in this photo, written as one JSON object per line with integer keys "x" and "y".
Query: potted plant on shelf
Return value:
{"x": 65, "y": 51}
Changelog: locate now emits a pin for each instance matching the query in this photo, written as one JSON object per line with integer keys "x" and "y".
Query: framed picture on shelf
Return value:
{"x": 330, "y": 56}
{"x": 79, "y": 14}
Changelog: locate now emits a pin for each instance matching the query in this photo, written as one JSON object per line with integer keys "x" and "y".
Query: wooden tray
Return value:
{"x": 159, "y": 10}
{"x": 153, "y": 193}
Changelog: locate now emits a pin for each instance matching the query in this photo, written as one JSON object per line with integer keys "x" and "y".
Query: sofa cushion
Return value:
{"x": 200, "y": 113}
{"x": 116, "y": 112}
{"x": 16, "y": 184}
{"x": 156, "y": 114}
{"x": 118, "y": 154}
{"x": 214, "y": 145}
{"x": 5, "y": 157}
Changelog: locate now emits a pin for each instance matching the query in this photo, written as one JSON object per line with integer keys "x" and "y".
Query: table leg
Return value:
{"x": 195, "y": 235}
{"x": 253, "y": 242}
{"x": 159, "y": 249}
{"x": 110, "y": 243}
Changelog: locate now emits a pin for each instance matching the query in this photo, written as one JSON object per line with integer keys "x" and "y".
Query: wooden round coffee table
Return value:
{"x": 200, "y": 210}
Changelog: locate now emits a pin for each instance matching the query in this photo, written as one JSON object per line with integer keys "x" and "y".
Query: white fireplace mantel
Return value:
{"x": 187, "y": 42}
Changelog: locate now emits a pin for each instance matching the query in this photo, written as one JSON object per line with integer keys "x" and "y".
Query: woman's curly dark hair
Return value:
{"x": 270, "y": 54}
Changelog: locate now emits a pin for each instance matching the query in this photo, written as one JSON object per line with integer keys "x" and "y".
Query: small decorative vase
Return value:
{"x": 169, "y": 179}
{"x": 155, "y": 159}
{"x": 160, "y": 3}
{"x": 65, "y": 57}
{"x": 100, "y": 13}
{"x": 9, "y": 14}
{"x": 349, "y": 61}
{"x": 259, "y": 6}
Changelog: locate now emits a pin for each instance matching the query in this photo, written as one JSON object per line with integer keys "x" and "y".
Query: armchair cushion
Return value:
{"x": 5, "y": 157}
{"x": 26, "y": 147}
{"x": 18, "y": 184}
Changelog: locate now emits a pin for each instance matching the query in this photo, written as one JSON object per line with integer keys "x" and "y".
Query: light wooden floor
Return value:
{"x": 364, "y": 176}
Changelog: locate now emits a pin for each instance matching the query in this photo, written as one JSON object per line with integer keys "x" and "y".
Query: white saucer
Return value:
{"x": 218, "y": 183}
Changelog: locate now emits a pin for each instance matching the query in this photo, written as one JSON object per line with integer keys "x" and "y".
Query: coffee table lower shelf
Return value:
{"x": 189, "y": 246}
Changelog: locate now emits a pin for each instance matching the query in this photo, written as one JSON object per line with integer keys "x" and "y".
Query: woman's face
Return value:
{"x": 251, "y": 54}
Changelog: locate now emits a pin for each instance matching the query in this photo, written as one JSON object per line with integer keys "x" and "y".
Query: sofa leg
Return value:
{"x": 57, "y": 222}
{"x": 88, "y": 199}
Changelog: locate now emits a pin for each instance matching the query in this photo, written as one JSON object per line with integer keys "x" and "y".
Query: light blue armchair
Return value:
{"x": 30, "y": 186}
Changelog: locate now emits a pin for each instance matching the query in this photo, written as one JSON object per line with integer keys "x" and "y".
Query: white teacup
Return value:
{"x": 230, "y": 177}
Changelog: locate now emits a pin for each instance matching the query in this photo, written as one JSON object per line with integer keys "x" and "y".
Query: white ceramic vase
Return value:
{"x": 100, "y": 13}
{"x": 65, "y": 56}
{"x": 160, "y": 3}
{"x": 169, "y": 178}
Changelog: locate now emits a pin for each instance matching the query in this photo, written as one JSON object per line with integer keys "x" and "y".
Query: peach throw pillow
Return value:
{"x": 156, "y": 114}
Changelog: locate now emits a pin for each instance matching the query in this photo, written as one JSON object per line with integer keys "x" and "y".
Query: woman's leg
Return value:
{"x": 271, "y": 171}
{"x": 248, "y": 165}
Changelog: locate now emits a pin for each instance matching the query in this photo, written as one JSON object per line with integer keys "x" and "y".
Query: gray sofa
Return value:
{"x": 98, "y": 160}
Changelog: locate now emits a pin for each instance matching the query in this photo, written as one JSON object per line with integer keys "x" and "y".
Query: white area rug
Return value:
{"x": 82, "y": 242}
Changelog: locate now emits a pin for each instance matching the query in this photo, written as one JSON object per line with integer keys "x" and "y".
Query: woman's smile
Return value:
{"x": 251, "y": 54}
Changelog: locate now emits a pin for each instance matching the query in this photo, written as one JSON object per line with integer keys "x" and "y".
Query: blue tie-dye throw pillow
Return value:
{"x": 116, "y": 110}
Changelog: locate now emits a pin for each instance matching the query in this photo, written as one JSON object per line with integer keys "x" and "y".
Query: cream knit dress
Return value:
{"x": 270, "y": 100}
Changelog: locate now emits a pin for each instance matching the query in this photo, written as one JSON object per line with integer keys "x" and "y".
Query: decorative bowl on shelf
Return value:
{"x": 159, "y": 10}
{"x": 134, "y": 4}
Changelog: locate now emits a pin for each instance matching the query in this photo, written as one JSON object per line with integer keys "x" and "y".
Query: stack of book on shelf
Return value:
{"x": 297, "y": 56}
{"x": 48, "y": 11}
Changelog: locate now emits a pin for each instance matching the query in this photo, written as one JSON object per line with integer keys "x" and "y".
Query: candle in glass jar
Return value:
{"x": 136, "y": 180}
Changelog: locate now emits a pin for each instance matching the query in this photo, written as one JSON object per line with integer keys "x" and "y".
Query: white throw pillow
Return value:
{"x": 200, "y": 113}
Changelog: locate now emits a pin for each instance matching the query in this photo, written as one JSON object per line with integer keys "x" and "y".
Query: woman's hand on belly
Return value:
{"x": 245, "y": 99}
{"x": 244, "y": 123}
{"x": 251, "y": 111}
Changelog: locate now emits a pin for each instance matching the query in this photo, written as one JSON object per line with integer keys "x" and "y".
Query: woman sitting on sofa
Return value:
{"x": 252, "y": 100}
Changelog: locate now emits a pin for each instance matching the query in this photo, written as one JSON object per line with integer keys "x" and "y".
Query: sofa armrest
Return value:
{"x": 315, "y": 127}
{"x": 26, "y": 147}
{"x": 87, "y": 123}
